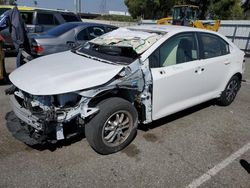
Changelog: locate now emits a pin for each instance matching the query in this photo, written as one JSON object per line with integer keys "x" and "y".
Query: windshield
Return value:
{"x": 120, "y": 46}
{"x": 59, "y": 30}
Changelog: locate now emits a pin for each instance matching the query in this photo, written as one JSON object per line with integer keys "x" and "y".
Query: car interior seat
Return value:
{"x": 184, "y": 51}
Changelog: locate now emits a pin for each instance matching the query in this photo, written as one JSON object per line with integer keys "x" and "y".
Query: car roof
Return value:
{"x": 26, "y": 8}
{"x": 87, "y": 24}
{"x": 168, "y": 28}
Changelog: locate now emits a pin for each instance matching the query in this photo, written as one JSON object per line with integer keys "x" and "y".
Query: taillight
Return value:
{"x": 1, "y": 38}
{"x": 38, "y": 49}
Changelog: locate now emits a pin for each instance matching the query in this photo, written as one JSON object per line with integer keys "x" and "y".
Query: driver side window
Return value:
{"x": 178, "y": 49}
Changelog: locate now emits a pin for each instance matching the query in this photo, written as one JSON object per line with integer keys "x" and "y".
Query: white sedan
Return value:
{"x": 129, "y": 76}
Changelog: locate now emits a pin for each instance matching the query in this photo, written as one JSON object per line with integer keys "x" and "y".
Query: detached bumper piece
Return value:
{"x": 39, "y": 129}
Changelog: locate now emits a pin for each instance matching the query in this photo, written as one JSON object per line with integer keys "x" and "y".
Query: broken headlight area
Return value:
{"x": 49, "y": 118}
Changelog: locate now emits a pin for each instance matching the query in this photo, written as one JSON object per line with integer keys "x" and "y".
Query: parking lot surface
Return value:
{"x": 205, "y": 146}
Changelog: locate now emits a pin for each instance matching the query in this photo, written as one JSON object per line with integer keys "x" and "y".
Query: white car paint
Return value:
{"x": 62, "y": 73}
{"x": 158, "y": 91}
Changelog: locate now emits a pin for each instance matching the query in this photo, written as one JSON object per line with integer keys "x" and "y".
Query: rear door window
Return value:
{"x": 213, "y": 46}
{"x": 47, "y": 19}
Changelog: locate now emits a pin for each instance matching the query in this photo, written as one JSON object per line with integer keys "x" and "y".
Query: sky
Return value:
{"x": 93, "y": 6}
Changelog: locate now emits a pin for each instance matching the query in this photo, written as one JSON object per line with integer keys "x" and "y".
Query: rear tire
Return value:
{"x": 114, "y": 127}
{"x": 230, "y": 92}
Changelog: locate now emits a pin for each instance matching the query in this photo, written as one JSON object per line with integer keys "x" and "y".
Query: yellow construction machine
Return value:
{"x": 188, "y": 15}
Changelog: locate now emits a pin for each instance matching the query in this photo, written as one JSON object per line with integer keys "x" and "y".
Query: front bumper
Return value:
{"x": 25, "y": 115}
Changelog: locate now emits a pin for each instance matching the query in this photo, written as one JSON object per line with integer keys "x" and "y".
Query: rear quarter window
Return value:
{"x": 213, "y": 46}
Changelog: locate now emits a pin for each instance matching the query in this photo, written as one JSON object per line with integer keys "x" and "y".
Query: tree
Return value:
{"x": 246, "y": 9}
{"x": 155, "y": 9}
{"x": 226, "y": 9}
{"x": 149, "y": 9}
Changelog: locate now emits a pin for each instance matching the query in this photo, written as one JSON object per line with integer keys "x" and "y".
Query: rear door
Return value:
{"x": 216, "y": 62}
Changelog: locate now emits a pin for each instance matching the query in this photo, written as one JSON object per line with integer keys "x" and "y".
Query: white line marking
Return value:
{"x": 217, "y": 168}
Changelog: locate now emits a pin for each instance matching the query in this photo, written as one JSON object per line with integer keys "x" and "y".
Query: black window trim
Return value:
{"x": 194, "y": 33}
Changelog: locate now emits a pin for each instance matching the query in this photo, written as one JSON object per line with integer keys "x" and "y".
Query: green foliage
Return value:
{"x": 119, "y": 18}
{"x": 226, "y": 9}
{"x": 149, "y": 9}
{"x": 155, "y": 9}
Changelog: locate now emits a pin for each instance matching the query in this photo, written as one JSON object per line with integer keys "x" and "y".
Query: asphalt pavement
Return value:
{"x": 204, "y": 146}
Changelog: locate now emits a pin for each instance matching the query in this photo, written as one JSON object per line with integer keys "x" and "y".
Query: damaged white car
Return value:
{"x": 129, "y": 76}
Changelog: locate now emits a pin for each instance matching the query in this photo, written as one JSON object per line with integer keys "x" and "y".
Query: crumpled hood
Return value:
{"x": 62, "y": 73}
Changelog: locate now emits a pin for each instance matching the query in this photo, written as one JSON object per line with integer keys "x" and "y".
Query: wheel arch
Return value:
{"x": 129, "y": 95}
{"x": 239, "y": 75}
{"x": 125, "y": 94}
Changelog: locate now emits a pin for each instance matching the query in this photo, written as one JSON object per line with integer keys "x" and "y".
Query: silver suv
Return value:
{"x": 39, "y": 20}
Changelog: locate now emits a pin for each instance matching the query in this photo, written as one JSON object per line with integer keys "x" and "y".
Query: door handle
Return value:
{"x": 227, "y": 62}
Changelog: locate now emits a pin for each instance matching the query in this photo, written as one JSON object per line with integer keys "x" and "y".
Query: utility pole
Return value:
{"x": 78, "y": 6}
{"x": 103, "y": 6}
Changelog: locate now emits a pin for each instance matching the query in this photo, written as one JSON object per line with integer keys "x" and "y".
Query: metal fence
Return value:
{"x": 238, "y": 31}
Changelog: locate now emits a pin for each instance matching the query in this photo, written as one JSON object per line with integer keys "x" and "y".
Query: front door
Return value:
{"x": 175, "y": 72}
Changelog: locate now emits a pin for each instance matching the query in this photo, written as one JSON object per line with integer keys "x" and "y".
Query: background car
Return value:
{"x": 38, "y": 20}
{"x": 66, "y": 36}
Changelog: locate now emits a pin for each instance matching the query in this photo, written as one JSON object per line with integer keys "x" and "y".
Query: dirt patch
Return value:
{"x": 131, "y": 151}
{"x": 150, "y": 137}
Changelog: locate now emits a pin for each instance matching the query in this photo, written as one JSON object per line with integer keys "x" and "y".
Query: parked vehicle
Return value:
{"x": 38, "y": 20}
{"x": 128, "y": 76}
{"x": 66, "y": 36}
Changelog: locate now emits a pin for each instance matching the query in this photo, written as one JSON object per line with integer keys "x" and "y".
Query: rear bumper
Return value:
{"x": 25, "y": 115}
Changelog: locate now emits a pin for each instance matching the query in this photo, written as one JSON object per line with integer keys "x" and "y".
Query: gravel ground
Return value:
{"x": 171, "y": 152}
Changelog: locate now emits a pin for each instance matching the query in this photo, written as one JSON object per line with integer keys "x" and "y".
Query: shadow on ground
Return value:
{"x": 176, "y": 116}
{"x": 245, "y": 165}
{"x": 5, "y": 81}
{"x": 21, "y": 133}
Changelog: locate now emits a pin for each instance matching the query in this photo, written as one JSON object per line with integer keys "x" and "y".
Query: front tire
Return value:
{"x": 114, "y": 127}
{"x": 230, "y": 92}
